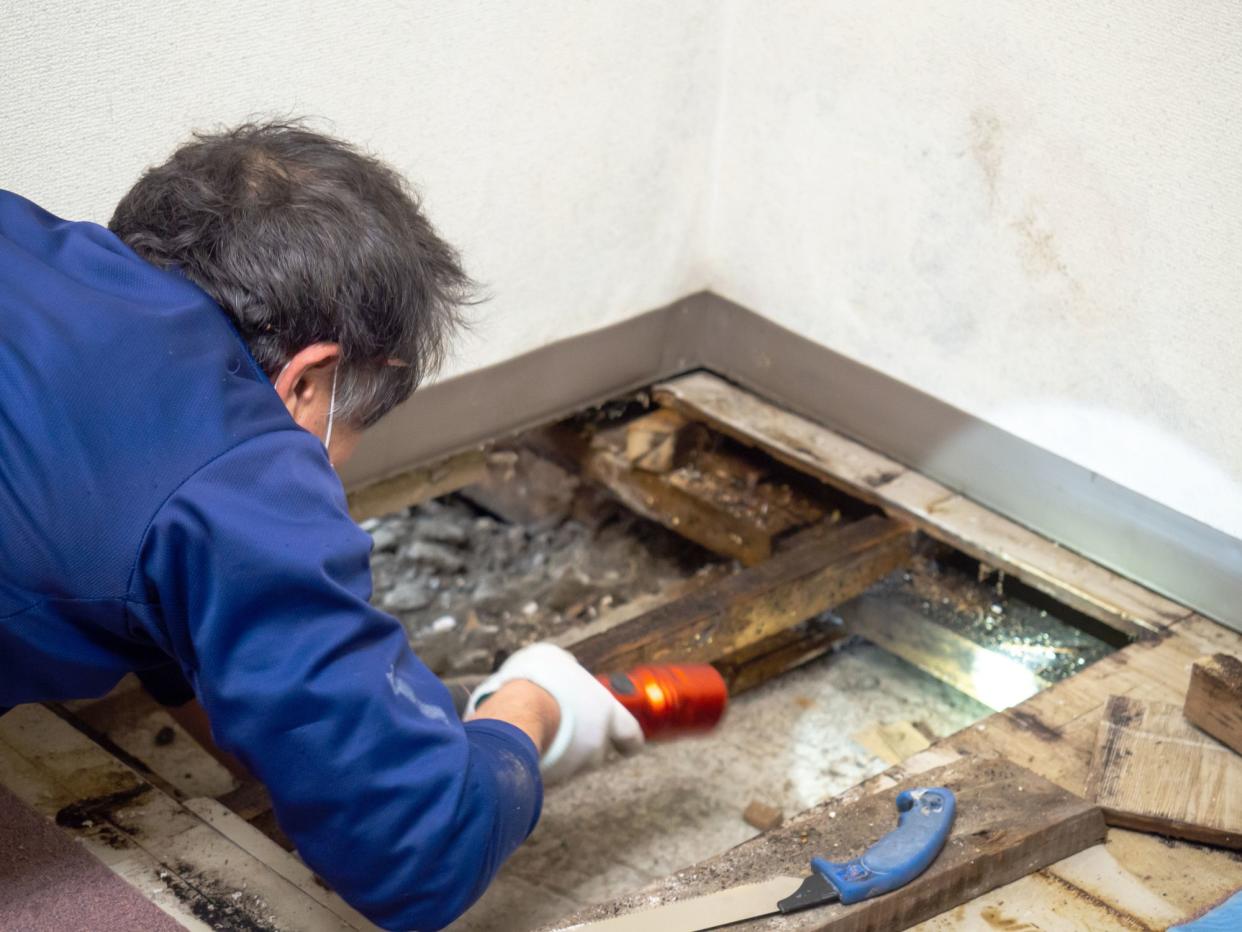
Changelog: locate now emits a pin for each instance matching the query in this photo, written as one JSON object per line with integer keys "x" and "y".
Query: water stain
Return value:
{"x": 987, "y": 147}
{"x": 998, "y": 920}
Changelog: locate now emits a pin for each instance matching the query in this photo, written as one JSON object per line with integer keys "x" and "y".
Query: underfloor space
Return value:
{"x": 786, "y": 744}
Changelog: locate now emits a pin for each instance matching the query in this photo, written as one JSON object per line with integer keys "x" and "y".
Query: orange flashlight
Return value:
{"x": 671, "y": 700}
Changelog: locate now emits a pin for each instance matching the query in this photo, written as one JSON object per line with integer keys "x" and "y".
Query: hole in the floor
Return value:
{"x": 538, "y": 551}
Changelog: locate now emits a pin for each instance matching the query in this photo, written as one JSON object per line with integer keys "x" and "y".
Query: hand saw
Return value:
{"x": 924, "y": 819}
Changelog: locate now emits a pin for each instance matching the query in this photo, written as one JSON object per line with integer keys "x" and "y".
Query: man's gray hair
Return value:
{"x": 304, "y": 239}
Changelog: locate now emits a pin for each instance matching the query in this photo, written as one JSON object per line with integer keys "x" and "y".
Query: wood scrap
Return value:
{"x": 762, "y": 816}
{"x": 1154, "y": 772}
{"x": 893, "y": 742}
{"x": 1214, "y": 700}
{"x": 657, "y": 442}
{"x": 1009, "y": 822}
{"x": 713, "y": 622}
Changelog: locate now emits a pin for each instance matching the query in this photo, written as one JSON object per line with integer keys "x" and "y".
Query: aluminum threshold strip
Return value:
{"x": 1129, "y": 533}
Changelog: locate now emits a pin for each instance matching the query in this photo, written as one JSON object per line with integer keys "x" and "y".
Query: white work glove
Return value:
{"x": 591, "y": 717}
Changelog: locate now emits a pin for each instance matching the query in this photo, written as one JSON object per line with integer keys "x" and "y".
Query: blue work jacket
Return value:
{"x": 158, "y": 502}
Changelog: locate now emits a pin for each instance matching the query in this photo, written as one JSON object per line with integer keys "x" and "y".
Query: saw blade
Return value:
{"x": 748, "y": 901}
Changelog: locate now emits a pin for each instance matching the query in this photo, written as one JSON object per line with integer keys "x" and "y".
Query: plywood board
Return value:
{"x": 1153, "y": 771}
{"x": 1010, "y": 822}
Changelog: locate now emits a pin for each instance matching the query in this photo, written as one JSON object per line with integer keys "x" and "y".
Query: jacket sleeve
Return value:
{"x": 262, "y": 582}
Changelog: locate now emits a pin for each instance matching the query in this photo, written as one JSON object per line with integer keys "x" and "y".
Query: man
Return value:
{"x": 173, "y": 393}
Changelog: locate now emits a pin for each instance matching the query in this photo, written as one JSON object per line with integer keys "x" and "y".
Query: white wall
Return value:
{"x": 1032, "y": 211}
{"x": 560, "y": 145}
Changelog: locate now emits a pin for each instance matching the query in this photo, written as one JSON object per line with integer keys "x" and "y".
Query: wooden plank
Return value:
{"x": 1152, "y": 771}
{"x": 1214, "y": 700}
{"x": 710, "y": 623}
{"x": 989, "y": 676}
{"x": 937, "y": 510}
{"x": 418, "y": 485}
{"x": 1009, "y": 822}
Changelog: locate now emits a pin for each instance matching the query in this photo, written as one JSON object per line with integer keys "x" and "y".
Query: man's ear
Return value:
{"x": 305, "y": 384}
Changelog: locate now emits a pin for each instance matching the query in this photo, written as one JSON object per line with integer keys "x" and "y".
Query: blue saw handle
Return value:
{"x": 926, "y": 816}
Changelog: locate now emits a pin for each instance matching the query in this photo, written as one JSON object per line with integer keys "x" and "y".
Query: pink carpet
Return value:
{"x": 50, "y": 883}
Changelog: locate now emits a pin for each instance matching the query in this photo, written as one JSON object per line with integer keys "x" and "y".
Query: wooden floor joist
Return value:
{"x": 711, "y": 623}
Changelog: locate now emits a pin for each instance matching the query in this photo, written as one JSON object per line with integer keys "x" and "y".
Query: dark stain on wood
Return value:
{"x": 1032, "y": 723}
{"x": 1122, "y": 918}
{"x": 95, "y": 810}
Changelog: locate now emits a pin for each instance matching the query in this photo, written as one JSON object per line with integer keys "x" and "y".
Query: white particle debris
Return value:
{"x": 832, "y": 815}
{"x": 530, "y": 608}
{"x": 996, "y": 608}
{"x": 238, "y": 896}
{"x": 444, "y": 623}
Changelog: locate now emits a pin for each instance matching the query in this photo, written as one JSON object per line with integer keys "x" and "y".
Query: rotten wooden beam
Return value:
{"x": 779, "y": 653}
{"x": 711, "y": 623}
{"x": 719, "y": 500}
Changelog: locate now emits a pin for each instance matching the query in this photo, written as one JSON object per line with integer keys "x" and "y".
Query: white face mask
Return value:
{"x": 327, "y": 437}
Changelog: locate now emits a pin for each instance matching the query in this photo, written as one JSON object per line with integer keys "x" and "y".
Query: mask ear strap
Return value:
{"x": 327, "y": 437}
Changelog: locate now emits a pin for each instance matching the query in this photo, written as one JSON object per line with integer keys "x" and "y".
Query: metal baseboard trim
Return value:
{"x": 1152, "y": 544}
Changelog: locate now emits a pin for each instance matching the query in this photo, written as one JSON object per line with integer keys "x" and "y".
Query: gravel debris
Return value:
{"x": 470, "y": 589}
